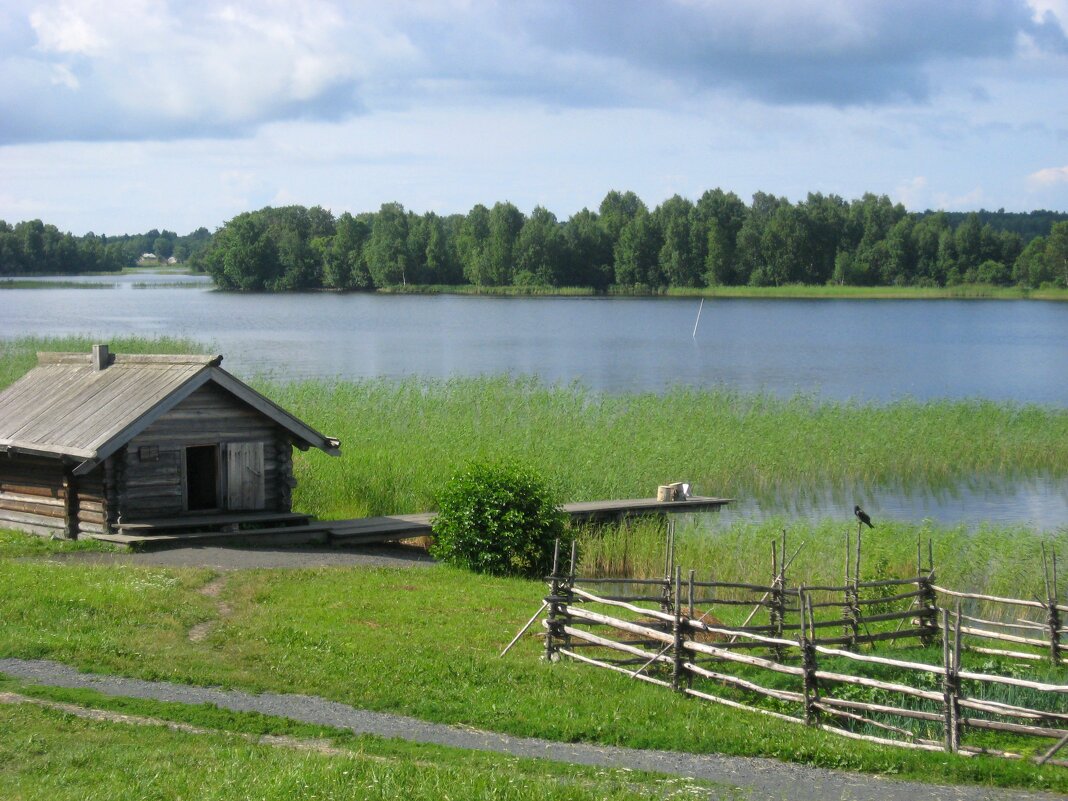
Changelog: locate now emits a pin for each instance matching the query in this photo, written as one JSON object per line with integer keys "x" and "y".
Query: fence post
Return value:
{"x": 689, "y": 598}
{"x": 676, "y": 632}
{"x": 776, "y": 601}
{"x": 553, "y": 623}
{"x": 951, "y": 683}
{"x": 850, "y": 610}
{"x": 1053, "y": 614}
{"x": 809, "y": 687}
{"x": 928, "y": 613}
{"x": 568, "y": 594}
{"x": 669, "y": 569}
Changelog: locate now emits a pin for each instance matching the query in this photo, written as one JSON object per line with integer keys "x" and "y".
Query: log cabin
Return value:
{"x": 95, "y": 443}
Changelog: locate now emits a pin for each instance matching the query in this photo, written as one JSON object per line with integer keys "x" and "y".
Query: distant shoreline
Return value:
{"x": 788, "y": 291}
{"x": 798, "y": 291}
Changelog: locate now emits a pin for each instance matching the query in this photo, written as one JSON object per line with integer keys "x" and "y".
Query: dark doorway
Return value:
{"x": 202, "y": 477}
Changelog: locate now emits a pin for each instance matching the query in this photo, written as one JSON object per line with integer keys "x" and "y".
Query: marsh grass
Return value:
{"x": 17, "y": 356}
{"x": 834, "y": 291}
{"x": 488, "y": 291}
{"x": 993, "y": 560}
{"x": 31, "y": 283}
{"x": 401, "y": 440}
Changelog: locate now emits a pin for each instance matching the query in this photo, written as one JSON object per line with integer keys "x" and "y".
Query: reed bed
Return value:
{"x": 836, "y": 292}
{"x": 402, "y": 439}
{"x": 994, "y": 560}
{"x": 18, "y": 356}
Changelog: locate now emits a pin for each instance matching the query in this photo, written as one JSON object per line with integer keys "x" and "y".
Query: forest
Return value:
{"x": 624, "y": 245}
{"x": 36, "y": 248}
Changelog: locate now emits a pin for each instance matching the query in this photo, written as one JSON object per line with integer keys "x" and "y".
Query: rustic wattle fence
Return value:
{"x": 804, "y": 664}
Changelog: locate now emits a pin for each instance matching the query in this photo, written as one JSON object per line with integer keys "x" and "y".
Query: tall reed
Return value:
{"x": 401, "y": 440}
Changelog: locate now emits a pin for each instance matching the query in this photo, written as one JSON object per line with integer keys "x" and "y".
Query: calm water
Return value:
{"x": 876, "y": 350}
{"x": 868, "y": 350}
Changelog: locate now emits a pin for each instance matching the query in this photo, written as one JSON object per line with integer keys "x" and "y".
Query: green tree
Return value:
{"x": 505, "y": 223}
{"x": 471, "y": 244}
{"x": 387, "y": 248}
{"x": 588, "y": 250}
{"x": 344, "y": 264}
{"x": 242, "y": 256}
{"x": 678, "y": 259}
{"x": 442, "y": 262}
{"x": 637, "y": 253}
{"x": 539, "y": 249}
{"x": 616, "y": 210}
{"x": 1057, "y": 253}
{"x": 719, "y": 215}
{"x": 1031, "y": 269}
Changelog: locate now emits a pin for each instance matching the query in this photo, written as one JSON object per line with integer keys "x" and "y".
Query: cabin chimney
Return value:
{"x": 100, "y": 357}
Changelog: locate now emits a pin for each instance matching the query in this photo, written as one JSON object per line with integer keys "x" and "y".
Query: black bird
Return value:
{"x": 862, "y": 516}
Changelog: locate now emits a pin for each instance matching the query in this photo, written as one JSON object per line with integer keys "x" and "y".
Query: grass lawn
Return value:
{"x": 420, "y": 641}
{"x": 49, "y": 754}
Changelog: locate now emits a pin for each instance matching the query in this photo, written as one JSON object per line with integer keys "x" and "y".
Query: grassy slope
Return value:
{"x": 420, "y": 641}
{"x": 50, "y": 755}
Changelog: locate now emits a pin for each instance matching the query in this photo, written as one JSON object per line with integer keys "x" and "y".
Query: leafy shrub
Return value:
{"x": 499, "y": 518}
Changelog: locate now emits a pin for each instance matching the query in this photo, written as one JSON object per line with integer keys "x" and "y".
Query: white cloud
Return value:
{"x": 969, "y": 201}
{"x": 1059, "y": 9}
{"x": 910, "y": 193}
{"x": 1050, "y": 176}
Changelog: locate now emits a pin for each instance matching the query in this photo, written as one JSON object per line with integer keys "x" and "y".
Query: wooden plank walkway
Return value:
{"x": 373, "y": 530}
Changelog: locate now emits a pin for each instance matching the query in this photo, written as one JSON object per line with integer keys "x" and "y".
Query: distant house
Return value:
{"x": 172, "y": 260}
{"x": 148, "y": 257}
{"x": 90, "y": 442}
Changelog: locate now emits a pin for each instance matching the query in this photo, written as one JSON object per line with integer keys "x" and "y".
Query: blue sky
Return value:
{"x": 121, "y": 116}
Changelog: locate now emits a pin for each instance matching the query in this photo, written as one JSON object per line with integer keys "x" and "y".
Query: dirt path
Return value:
{"x": 222, "y": 558}
{"x": 756, "y": 778}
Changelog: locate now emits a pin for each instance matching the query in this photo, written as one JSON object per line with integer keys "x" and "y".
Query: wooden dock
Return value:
{"x": 153, "y": 535}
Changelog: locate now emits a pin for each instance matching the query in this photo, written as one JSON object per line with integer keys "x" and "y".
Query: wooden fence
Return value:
{"x": 795, "y": 665}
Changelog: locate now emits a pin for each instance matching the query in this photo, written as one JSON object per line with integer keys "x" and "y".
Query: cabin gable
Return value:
{"x": 211, "y": 453}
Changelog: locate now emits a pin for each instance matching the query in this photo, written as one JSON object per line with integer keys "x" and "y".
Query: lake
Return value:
{"x": 838, "y": 349}
{"x": 867, "y": 350}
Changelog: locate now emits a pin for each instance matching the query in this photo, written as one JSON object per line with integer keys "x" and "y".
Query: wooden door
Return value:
{"x": 244, "y": 475}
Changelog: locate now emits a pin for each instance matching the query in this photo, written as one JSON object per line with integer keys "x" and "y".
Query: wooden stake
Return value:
{"x": 523, "y": 630}
{"x": 676, "y": 631}
{"x": 552, "y": 624}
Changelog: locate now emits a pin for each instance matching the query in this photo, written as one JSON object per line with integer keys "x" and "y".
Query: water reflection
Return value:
{"x": 1039, "y": 502}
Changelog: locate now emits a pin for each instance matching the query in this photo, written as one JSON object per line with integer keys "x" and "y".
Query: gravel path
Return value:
{"x": 756, "y": 778}
{"x": 224, "y": 558}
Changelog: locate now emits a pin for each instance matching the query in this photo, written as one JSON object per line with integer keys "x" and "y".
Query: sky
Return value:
{"x": 119, "y": 116}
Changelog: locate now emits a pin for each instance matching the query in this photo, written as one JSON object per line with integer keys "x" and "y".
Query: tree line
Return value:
{"x": 36, "y": 248}
{"x": 717, "y": 240}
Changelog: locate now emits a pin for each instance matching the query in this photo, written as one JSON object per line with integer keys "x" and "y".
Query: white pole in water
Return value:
{"x": 699, "y": 308}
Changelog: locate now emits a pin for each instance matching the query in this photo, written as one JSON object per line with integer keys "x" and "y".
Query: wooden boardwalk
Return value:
{"x": 375, "y": 530}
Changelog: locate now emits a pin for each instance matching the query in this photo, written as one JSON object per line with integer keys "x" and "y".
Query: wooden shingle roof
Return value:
{"x": 65, "y": 407}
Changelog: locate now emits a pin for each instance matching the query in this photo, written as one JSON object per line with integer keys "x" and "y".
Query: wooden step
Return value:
{"x": 213, "y": 520}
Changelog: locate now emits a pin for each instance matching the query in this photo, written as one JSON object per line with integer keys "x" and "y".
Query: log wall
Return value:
{"x": 38, "y": 495}
{"x": 32, "y": 495}
{"x": 150, "y": 472}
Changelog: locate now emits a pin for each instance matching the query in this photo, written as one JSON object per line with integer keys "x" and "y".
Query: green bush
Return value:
{"x": 499, "y": 518}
